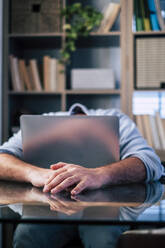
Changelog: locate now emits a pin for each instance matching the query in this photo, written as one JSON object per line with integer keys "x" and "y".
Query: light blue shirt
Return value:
{"x": 132, "y": 144}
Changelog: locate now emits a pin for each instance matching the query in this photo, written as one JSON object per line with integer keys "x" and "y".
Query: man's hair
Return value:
{"x": 77, "y": 110}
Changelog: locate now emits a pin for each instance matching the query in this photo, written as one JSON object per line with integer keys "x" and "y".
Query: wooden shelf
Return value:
{"x": 15, "y": 35}
{"x": 91, "y": 92}
{"x": 69, "y": 92}
{"x": 112, "y": 33}
{"x": 33, "y": 93}
{"x": 50, "y": 40}
{"x": 148, "y": 33}
{"x": 149, "y": 89}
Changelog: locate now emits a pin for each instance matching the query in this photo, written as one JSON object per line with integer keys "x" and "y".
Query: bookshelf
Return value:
{"x": 38, "y": 44}
{"x": 95, "y": 48}
{"x": 133, "y": 37}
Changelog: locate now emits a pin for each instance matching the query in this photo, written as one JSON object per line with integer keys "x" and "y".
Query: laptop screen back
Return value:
{"x": 90, "y": 141}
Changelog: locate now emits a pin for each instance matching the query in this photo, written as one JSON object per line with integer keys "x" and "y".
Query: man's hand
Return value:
{"x": 67, "y": 175}
{"x": 39, "y": 176}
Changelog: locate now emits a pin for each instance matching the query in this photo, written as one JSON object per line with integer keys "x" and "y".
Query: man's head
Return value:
{"x": 78, "y": 109}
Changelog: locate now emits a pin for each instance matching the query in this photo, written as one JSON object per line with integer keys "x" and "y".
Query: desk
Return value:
{"x": 118, "y": 206}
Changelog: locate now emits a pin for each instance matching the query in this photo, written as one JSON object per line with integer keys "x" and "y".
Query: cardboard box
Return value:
{"x": 92, "y": 79}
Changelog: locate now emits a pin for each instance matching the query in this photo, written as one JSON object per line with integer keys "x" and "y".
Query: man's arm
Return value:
{"x": 138, "y": 163}
{"x": 129, "y": 170}
{"x": 12, "y": 168}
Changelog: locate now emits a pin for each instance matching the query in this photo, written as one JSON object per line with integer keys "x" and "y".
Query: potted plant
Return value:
{"x": 79, "y": 21}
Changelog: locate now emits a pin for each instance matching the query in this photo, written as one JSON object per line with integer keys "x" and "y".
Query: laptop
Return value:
{"x": 90, "y": 141}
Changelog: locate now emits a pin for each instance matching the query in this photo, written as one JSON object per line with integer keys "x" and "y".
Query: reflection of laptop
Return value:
{"x": 90, "y": 141}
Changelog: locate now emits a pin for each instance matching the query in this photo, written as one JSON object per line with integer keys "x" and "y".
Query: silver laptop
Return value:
{"x": 90, "y": 141}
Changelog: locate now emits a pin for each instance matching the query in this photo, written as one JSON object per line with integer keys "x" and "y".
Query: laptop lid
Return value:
{"x": 90, "y": 141}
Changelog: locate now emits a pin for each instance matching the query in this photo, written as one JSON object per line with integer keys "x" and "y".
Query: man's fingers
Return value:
{"x": 55, "y": 173}
{"x": 79, "y": 188}
{"x": 56, "y": 179}
{"x": 65, "y": 184}
{"x": 57, "y": 166}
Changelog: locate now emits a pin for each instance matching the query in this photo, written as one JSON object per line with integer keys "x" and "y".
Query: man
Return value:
{"x": 138, "y": 162}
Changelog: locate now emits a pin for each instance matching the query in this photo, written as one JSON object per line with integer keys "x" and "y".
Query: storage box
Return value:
{"x": 92, "y": 79}
{"x": 35, "y": 16}
{"x": 150, "y": 62}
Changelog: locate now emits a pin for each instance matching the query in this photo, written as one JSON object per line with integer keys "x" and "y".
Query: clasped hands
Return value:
{"x": 76, "y": 177}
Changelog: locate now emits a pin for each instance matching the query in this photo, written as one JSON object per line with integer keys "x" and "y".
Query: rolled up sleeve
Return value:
{"x": 132, "y": 144}
{"x": 13, "y": 146}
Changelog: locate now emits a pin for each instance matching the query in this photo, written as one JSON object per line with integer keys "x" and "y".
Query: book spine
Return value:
{"x": 160, "y": 130}
{"x": 139, "y": 19}
{"x": 146, "y": 16}
{"x": 35, "y": 74}
{"x": 15, "y": 76}
{"x": 139, "y": 123}
{"x": 153, "y": 15}
{"x": 60, "y": 77}
{"x": 21, "y": 75}
{"x": 46, "y": 72}
{"x": 154, "y": 22}
{"x": 148, "y": 131}
{"x": 156, "y": 139}
{"x": 26, "y": 79}
{"x": 112, "y": 17}
{"x": 53, "y": 74}
{"x": 159, "y": 15}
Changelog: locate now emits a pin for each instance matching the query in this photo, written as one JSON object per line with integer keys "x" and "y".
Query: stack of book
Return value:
{"x": 26, "y": 76}
{"x": 152, "y": 128}
{"x": 148, "y": 16}
{"x": 110, "y": 13}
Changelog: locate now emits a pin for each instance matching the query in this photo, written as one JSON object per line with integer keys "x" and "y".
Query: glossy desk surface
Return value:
{"x": 126, "y": 204}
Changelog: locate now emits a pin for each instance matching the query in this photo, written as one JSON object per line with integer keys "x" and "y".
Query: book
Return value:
{"x": 153, "y": 15}
{"x": 35, "y": 74}
{"x": 155, "y": 135}
{"x": 139, "y": 123}
{"x": 134, "y": 17}
{"x": 138, "y": 14}
{"x": 60, "y": 77}
{"x": 145, "y": 15}
{"x": 53, "y": 74}
{"x": 21, "y": 75}
{"x": 46, "y": 72}
{"x": 15, "y": 75}
{"x": 148, "y": 131}
{"x": 109, "y": 16}
{"x": 25, "y": 75}
{"x": 163, "y": 123}
{"x": 50, "y": 73}
{"x": 159, "y": 15}
{"x": 161, "y": 131}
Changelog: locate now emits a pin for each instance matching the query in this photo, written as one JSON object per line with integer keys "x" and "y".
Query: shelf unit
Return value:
{"x": 132, "y": 37}
{"x": 36, "y": 45}
{"x": 130, "y": 48}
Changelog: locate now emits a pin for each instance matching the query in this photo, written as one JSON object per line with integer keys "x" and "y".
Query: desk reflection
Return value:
{"x": 122, "y": 203}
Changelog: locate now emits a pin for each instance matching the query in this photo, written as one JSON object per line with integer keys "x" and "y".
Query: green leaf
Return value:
{"x": 67, "y": 27}
{"x": 80, "y": 21}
